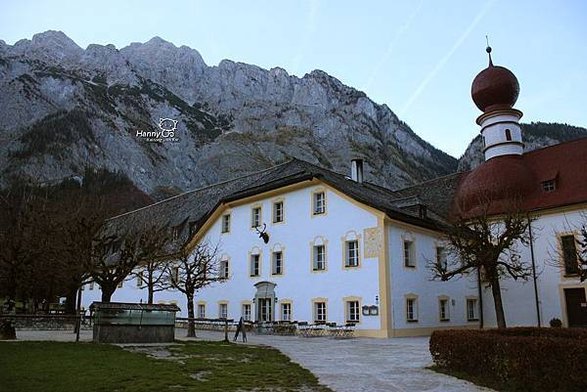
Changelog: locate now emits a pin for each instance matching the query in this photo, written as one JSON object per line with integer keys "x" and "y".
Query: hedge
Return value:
{"x": 515, "y": 359}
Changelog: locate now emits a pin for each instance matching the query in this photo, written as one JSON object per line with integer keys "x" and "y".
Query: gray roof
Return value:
{"x": 187, "y": 212}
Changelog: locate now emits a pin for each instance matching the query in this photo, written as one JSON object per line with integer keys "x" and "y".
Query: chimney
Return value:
{"x": 357, "y": 170}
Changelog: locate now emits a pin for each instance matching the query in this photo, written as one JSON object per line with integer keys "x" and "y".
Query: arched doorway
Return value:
{"x": 265, "y": 301}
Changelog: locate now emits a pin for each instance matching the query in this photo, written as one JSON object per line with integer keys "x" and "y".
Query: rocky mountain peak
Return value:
{"x": 73, "y": 106}
{"x": 51, "y": 45}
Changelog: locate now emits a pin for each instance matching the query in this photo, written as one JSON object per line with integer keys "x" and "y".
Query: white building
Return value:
{"x": 343, "y": 250}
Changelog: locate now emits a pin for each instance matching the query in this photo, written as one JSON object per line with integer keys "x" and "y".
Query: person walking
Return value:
{"x": 240, "y": 328}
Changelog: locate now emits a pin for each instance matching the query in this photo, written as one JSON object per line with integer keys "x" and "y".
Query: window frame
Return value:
{"x": 201, "y": 315}
{"x": 255, "y": 258}
{"x": 441, "y": 256}
{"x": 278, "y": 212}
{"x": 223, "y": 310}
{"x": 549, "y": 185}
{"x": 225, "y": 224}
{"x": 315, "y": 256}
{"x": 246, "y": 311}
{"x": 274, "y": 265}
{"x": 256, "y": 216}
{"x": 444, "y": 316}
{"x": 411, "y": 309}
{"x": 353, "y": 311}
{"x": 224, "y": 269}
{"x": 140, "y": 283}
{"x": 352, "y": 261}
{"x": 472, "y": 311}
{"x": 409, "y": 253}
{"x": 318, "y": 203}
{"x": 320, "y": 312}
{"x": 567, "y": 263}
{"x": 282, "y": 307}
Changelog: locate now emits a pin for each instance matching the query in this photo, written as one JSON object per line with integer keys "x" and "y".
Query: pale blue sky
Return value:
{"x": 418, "y": 57}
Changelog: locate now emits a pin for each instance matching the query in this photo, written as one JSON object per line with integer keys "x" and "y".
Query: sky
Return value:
{"x": 418, "y": 57}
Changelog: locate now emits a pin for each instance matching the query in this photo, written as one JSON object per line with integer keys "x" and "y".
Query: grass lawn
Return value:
{"x": 197, "y": 366}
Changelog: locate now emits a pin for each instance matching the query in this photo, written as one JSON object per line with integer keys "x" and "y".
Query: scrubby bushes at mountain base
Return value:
{"x": 515, "y": 359}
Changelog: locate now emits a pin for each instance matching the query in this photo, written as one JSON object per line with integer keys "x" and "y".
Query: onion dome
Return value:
{"x": 496, "y": 185}
{"x": 495, "y": 88}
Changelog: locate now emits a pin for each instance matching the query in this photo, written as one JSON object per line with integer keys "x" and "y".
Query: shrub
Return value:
{"x": 528, "y": 359}
{"x": 556, "y": 323}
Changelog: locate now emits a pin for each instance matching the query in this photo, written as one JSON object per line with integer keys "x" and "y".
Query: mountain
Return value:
{"x": 64, "y": 109}
{"x": 535, "y": 135}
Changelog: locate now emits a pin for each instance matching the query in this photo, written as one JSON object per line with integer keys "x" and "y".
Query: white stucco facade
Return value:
{"x": 379, "y": 280}
{"x": 548, "y": 227}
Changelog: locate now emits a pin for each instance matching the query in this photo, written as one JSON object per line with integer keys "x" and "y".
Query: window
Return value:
{"x": 175, "y": 232}
{"x": 278, "y": 212}
{"x": 508, "y": 134}
{"x": 120, "y": 284}
{"x": 201, "y": 311}
{"x": 441, "y": 257}
{"x": 443, "y": 309}
{"x": 246, "y": 312}
{"x": 255, "y": 267}
{"x": 277, "y": 263}
{"x": 320, "y": 312}
{"x": 222, "y": 311}
{"x": 319, "y": 262}
{"x": 411, "y": 310}
{"x": 569, "y": 250}
{"x": 319, "y": 203}
{"x": 92, "y": 285}
{"x": 352, "y": 253}
{"x": 286, "y": 312}
{"x": 549, "y": 186}
{"x": 226, "y": 223}
{"x": 256, "y": 217}
{"x": 472, "y": 309}
{"x": 409, "y": 254}
{"x": 224, "y": 269}
{"x": 174, "y": 275}
{"x": 140, "y": 279}
{"x": 352, "y": 308}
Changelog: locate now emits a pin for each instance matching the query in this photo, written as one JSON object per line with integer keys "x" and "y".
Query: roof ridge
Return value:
{"x": 201, "y": 189}
{"x": 581, "y": 139}
{"x": 432, "y": 180}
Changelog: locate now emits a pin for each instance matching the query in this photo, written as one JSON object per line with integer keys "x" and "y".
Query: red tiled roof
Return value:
{"x": 500, "y": 177}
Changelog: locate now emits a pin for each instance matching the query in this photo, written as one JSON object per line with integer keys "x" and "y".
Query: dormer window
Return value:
{"x": 549, "y": 186}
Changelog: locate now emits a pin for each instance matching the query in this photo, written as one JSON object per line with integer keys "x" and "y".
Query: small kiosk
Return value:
{"x": 119, "y": 322}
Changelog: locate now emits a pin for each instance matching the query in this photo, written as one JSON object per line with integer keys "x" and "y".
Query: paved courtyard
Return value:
{"x": 345, "y": 365}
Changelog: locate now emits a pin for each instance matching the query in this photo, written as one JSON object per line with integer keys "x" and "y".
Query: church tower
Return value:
{"x": 504, "y": 178}
{"x": 495, "y": 91}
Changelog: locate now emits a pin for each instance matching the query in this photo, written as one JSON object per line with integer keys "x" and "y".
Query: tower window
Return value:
{"x": 508, "y": 134}
{"x": 549, "y": 186}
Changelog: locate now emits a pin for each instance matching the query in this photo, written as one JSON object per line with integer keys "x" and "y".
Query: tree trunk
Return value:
{"x": 499, "y": 313}
{"x": 150, "y": 298}
{"x": 70, "y": 298}
{"x": 191, "y": 313}
{"x": 107, "y": 291}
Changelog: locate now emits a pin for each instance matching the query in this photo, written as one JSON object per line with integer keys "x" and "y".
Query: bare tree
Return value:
{"x": 487, "y": 244}
{"x": 193, "y": 271}
{"x": 152, "y": 271}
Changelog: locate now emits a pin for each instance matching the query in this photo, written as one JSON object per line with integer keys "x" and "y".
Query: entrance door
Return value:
{"x": 265, "y": 309}
{"x": 576, "y": 307}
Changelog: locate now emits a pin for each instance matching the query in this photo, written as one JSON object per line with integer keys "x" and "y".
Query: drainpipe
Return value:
{"x": 534, "y": 277}
{"x": 480, "y": 297}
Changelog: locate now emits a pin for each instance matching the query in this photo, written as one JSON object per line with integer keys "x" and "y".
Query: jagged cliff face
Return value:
{"x": 63, "y": 108}
{"x": 535, "y": 136}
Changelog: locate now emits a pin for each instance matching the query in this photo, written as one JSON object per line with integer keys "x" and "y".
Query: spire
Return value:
{"x": 488, "y": 50}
